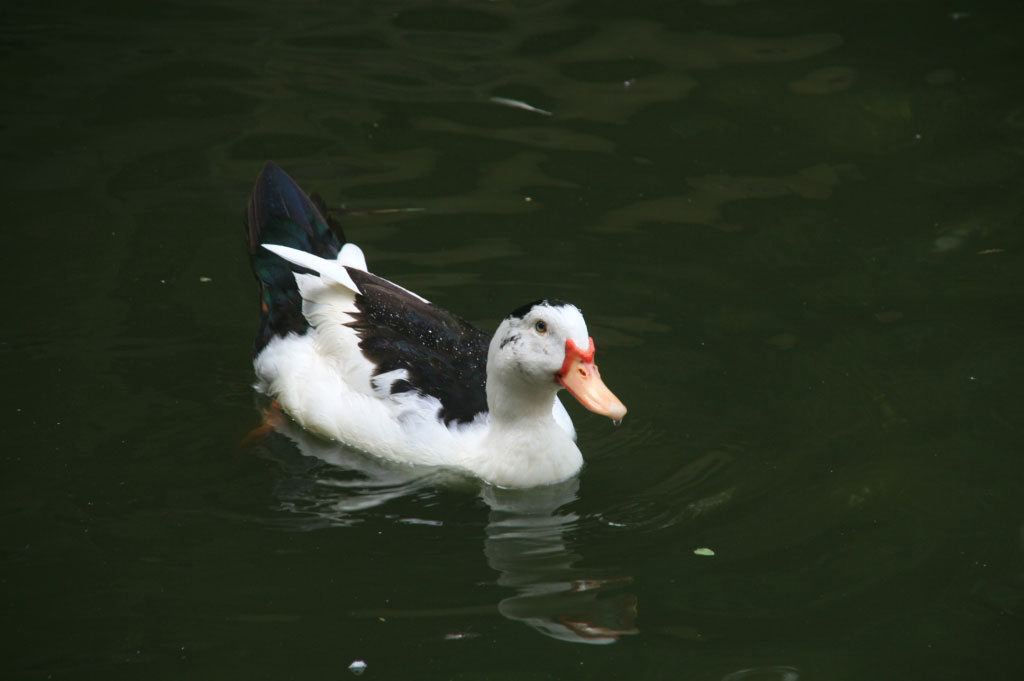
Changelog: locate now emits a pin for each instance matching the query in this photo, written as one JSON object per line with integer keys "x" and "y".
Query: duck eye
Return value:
{"x": 541, "y": 327}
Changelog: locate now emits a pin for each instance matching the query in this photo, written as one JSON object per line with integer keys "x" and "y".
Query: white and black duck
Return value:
{"x": 356, "y": 358}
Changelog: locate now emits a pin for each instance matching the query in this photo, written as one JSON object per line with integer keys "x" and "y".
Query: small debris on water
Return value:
{"x": 703, "y": 551}
{"x": 385, "y": 211}
{"x": 205, "y": 280}
{"x": 357, "y": 667}
{"x": 516, "y": 104}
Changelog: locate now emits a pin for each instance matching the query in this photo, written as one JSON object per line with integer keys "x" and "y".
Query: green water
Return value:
{"x": 795, "y": 229}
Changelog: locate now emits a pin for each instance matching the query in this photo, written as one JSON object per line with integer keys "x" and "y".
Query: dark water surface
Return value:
{"x": 795, "y": 228}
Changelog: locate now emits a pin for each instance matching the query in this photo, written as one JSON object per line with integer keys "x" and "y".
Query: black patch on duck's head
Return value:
{"x": 511, "y": 338}
{"x": 524, "y": 310}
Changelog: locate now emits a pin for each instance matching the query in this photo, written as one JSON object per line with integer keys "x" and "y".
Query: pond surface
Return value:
{"x": 795, "y": 229}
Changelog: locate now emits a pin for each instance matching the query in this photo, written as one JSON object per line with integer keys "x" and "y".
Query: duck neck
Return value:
{"x": 515, "y": 404}
{"x": 524, "y": 445}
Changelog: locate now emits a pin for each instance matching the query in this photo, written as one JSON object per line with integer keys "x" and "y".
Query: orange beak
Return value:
{"x": 579, "y": 375}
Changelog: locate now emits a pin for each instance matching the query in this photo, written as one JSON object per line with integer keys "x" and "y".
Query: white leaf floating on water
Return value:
{"x": 703, "y": 551}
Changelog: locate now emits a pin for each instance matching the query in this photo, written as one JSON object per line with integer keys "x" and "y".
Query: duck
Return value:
{"x": 357, "y": 359}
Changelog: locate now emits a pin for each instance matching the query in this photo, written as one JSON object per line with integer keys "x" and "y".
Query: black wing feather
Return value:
{"x": 444, "y": 355}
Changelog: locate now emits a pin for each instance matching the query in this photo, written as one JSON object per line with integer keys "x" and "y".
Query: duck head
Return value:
{"x": 543, "y": 347}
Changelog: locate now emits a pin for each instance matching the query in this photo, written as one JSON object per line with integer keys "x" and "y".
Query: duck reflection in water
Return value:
{"x": 526, "y": 544}
{"x": 527, "y": 534}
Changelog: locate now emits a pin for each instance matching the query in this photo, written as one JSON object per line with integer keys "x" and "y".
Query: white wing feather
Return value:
{"x": 352, "y": 256}
{"x": 327, "y": 269}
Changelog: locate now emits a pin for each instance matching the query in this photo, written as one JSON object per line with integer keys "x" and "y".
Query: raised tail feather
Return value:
{"x": 280, "y": 213}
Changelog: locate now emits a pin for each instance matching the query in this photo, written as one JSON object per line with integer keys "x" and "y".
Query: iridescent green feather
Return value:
{"x": 280, "y": 213}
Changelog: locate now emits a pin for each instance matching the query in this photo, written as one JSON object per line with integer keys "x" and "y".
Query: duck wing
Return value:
{"x": 442, "y": 354}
